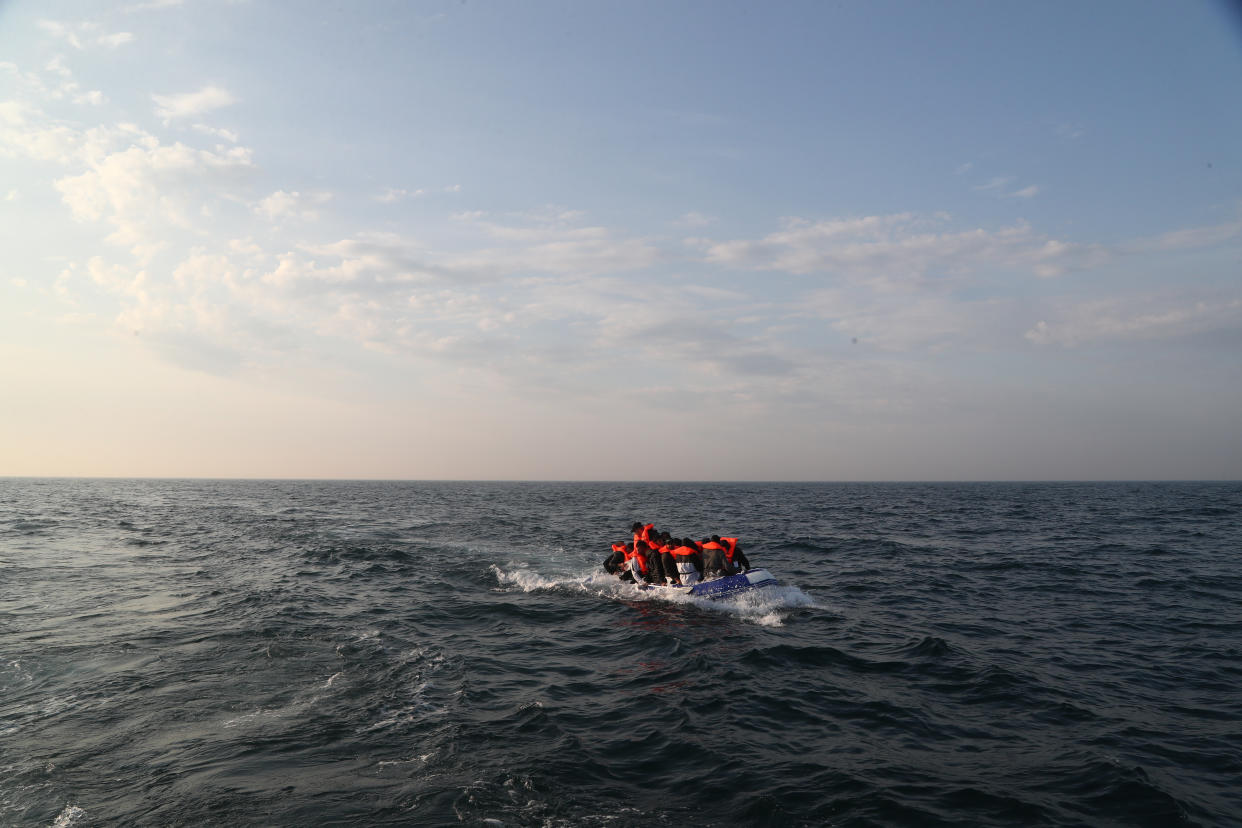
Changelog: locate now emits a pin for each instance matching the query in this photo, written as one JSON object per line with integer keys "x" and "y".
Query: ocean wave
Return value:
{"x": 395, "y": 654}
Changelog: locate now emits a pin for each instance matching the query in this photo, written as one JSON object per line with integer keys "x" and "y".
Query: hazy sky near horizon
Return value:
{"x": 621, "y": 240}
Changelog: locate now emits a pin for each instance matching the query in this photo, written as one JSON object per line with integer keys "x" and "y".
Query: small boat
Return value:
{"x": 725, "y": 586}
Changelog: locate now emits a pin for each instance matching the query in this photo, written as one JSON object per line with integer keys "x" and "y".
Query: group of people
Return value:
{"x": 655, "y": 557}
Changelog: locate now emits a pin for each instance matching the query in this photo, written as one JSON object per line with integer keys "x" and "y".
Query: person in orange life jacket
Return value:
{"x": 715, "y": 562}
{"x": 733, "y": 551}
{"x": 688, "y": 559}
{"x": 613, "y": 563}
{"x": 642, "y": 532}
{"x": 665, "y": 551}
{"x": 645, "y": 564}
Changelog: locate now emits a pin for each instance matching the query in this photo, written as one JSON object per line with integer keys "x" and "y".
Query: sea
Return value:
{"x": 344, "y": 653}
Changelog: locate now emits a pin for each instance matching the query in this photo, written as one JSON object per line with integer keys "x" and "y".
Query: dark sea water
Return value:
{"x": 356, "y": 653}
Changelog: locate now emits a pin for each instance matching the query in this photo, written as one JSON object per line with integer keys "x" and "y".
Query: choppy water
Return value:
{"x": 344, "y": 653}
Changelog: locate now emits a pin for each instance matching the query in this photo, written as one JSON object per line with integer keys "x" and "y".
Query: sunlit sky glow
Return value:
{"x": 621, "y": 241}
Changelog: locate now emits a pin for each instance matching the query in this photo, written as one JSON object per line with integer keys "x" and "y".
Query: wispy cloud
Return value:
{"x": 281, "y": 204}
{"x": 217, "y": 132}
{"x": 1186, "y": 238}
{"x": 999, "y": 186}
{"x": 995, "y": 183}
{"x": 1127, "y": 320}
{"x": 392, "y": 195}
{"x": 894, "y": 249}
{"x": 1070, "y": 132}
{"x": 152, "y": 5}
{"x": 112, "y": 41}
{"x": 82, "y": 34}
{"x": 192, "y": 104}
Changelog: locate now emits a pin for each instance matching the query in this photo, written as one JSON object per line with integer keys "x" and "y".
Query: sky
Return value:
{"x": 621, "y": 240}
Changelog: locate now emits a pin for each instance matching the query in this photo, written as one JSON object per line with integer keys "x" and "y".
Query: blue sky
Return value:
{"x": 621, "y": 240}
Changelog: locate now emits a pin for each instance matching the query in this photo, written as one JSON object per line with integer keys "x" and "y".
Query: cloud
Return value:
{"x": 217, "y": 132}
{"x": 1070, "y": 132}
{"x": 999, "y": 186}
{"x": 79, "y": 35}
{"x": 192, "y": 104}
{"x": 61, "y": 31}
{"x": 1120, "y": 320}
{"x": 112, "y": 41}
{"x": 695, "y": 219}
{"x": 1192, "y": 237}
{"x": 712, "y": 349}
{"x": 392, "y": 195}
{"x": 281, "y": 204}
{"x": 585, "y": 251}
{"x": 144, "y": 188}
{"x": 550, "y": 242}
{"x": 896, "y": 249}
{"x": 153, "y": 5}
{"x": 996, "y": 183}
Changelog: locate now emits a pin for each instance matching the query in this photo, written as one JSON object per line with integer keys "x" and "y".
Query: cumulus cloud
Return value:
{"x": 137, "y": 184}
{"x": 192, "y": 104}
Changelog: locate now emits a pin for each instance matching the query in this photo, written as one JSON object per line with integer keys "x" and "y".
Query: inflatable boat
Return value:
{"x": 725, "y": 586}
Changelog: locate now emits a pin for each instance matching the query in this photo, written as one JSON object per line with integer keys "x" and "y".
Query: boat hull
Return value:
{"x": 723, "y": 587}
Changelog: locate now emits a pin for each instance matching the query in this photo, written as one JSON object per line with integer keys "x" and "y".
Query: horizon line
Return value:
{"x": 261, "y": 479}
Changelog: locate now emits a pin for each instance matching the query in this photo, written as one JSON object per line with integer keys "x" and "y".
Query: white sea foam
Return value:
{"x": 767, "y": 606}
{"x": 71, "y": 816}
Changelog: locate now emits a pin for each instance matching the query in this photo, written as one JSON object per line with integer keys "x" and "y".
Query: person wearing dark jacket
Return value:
{"x": 733, "y": 551}
{"x": 650, "y": 566}
{"x": 689, "y": 561}
{"x": 715, "y": 562}
{"x": 664, "y": 551}
{"x": 614, "y": 563}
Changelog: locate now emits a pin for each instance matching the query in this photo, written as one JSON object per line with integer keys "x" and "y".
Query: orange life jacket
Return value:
{"x": 618, "y": 547}
{"x": 730, "y": 547}
{"x": 642, "y": 561}
{"x": 683, "y": 551}
{"x": 714, "y": 545}
{"x": 645, "y": 534}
